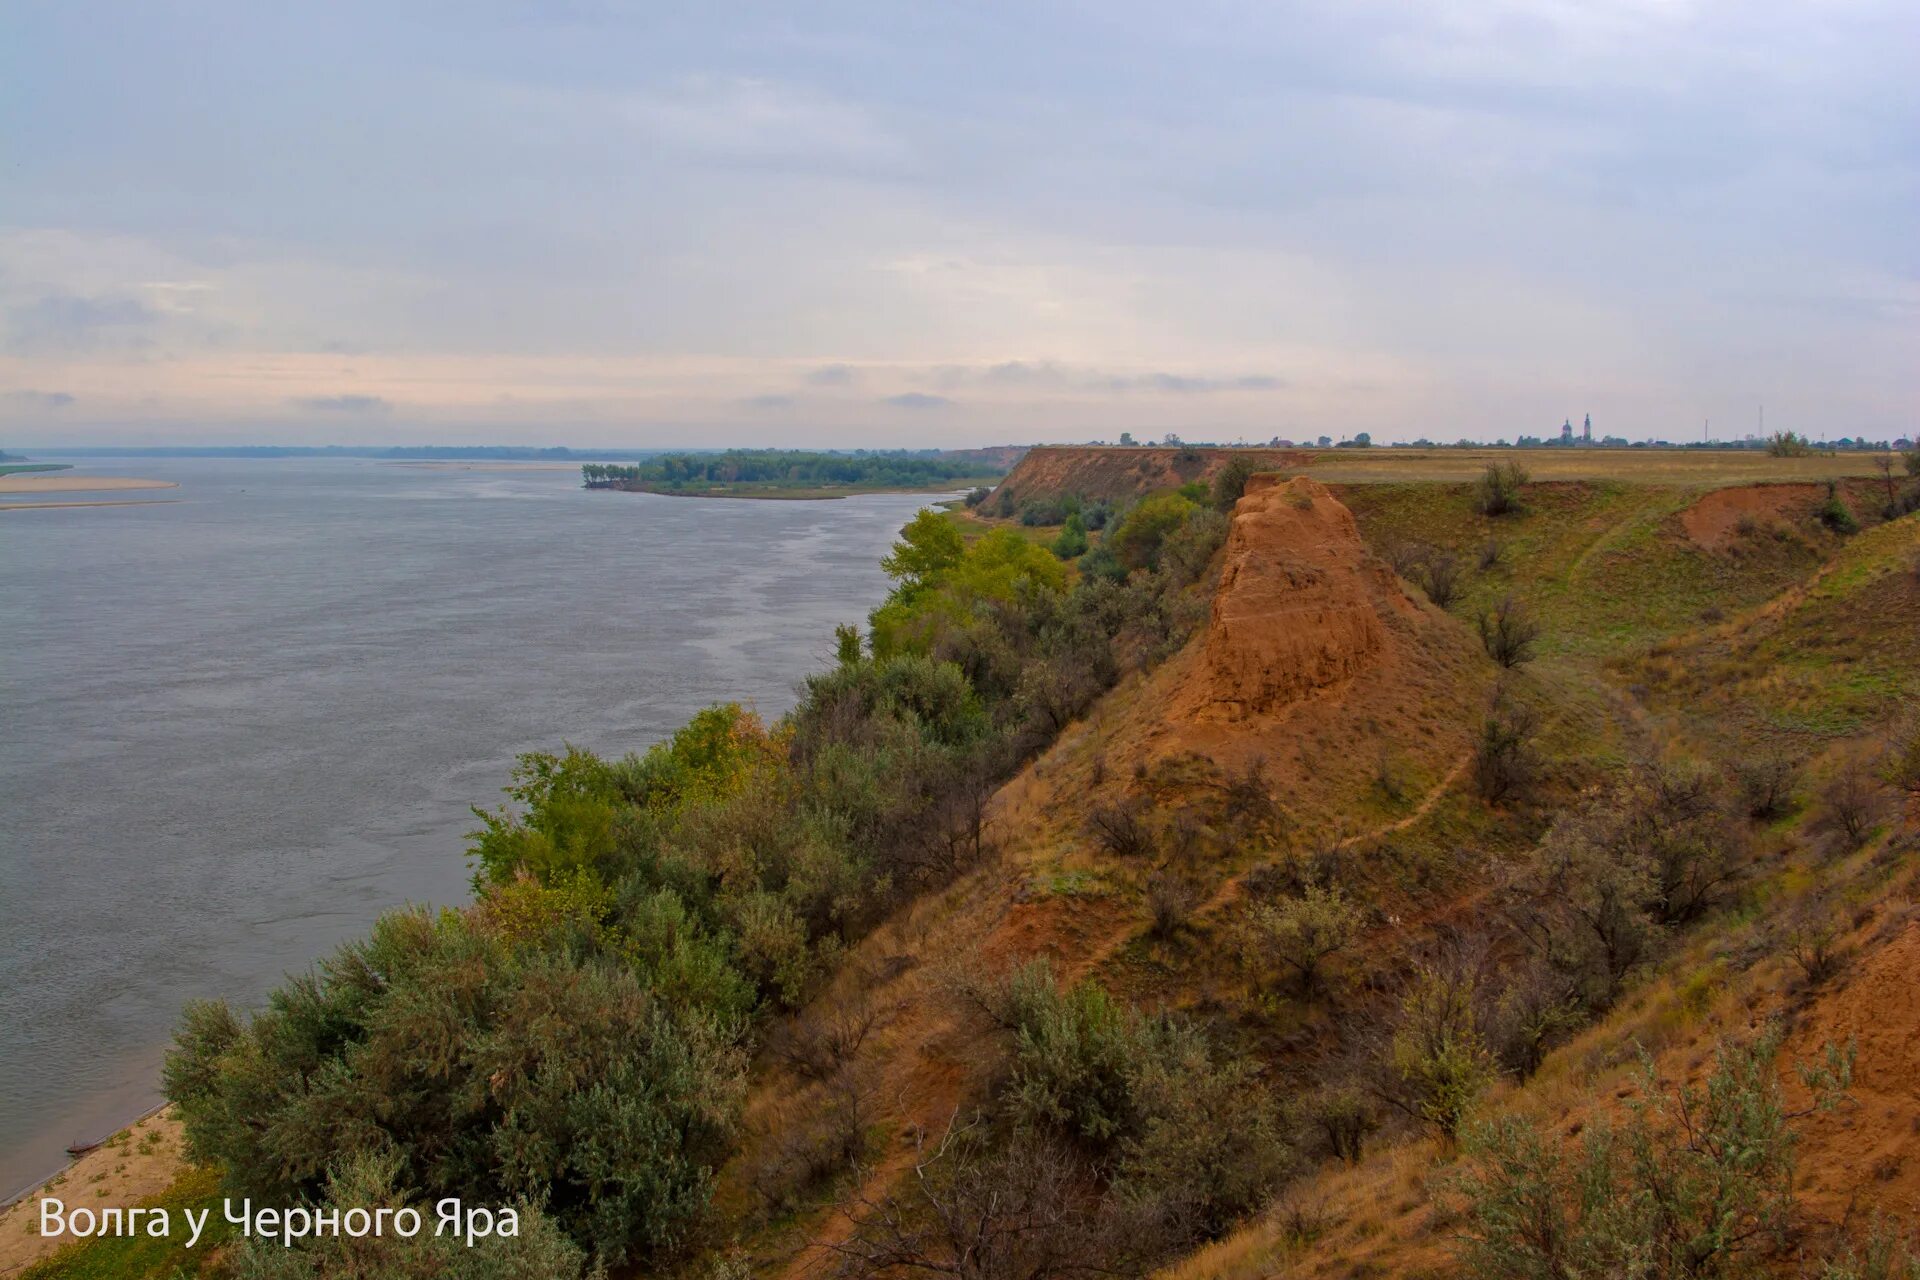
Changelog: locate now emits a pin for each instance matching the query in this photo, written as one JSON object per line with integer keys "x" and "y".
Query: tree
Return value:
{"x": 1304, "y": 932}
{"x": 1854, "y": 798}
{"x": 1884, "y": 464}
{"x": 1072, "y": 542}
{"x": 846, "y": 645}
{"x": 1768, "y": 776}
{"x": 1231, "y": 482}
{"x": 1785, "y": 444}
{"x": 1438, "y": 1057}
{"x": 1655, "y": 851}
{"x": 1440, "y": 575}
{"x": 1508, "y": 632}
{"x": 929, "y": 545}
{"x": 1504, "y": 759}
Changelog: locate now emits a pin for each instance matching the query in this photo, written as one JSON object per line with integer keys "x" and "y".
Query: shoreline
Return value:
{"x": 772, "y": 495}
{"x": 134, "y": 1163}
{"x": 97, "y": 502}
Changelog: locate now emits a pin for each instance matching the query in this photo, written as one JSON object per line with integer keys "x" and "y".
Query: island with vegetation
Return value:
{"x": 1458, "y": 868}
{"x": 792, "y": 473}
{"x": 13, "y": 464}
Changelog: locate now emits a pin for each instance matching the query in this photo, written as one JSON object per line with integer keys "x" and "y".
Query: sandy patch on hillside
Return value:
{"x": 66, "y": 482}
{"x": 140, "y": 1161}
{"x": 1714, "y": 521}
{"x": 1300, "y": 606}
{"x": 1864, "y": 1157}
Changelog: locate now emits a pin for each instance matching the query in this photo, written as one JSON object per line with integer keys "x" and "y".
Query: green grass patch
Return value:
{"x": 142, "y": 1256}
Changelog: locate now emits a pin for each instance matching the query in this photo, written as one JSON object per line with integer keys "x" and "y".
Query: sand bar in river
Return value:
{"x": 67, "y": 482}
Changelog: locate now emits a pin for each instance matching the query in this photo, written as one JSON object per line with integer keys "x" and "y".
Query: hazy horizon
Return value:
{"x": 861, "y": 225}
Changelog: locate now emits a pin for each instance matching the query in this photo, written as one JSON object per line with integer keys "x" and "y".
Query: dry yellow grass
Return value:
{"x": 1687, "y": 468}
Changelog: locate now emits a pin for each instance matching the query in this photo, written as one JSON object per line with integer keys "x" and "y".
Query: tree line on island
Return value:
{"x": 788, "y": 468}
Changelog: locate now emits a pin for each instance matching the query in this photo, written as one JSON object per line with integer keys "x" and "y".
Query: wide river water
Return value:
{"x": 237, "y": 724}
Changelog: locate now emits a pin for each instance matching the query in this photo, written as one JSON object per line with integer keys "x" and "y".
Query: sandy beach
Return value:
{"x": 134, "y": 1164}
{"x": 67, "y": 482}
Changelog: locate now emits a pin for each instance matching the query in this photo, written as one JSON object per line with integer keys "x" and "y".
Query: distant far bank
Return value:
{"x": 797, "y": 475}
{"x": 1005, "y": 455}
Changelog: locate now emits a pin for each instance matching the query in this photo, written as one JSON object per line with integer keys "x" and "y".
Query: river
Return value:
{"x": 241, "y": 717}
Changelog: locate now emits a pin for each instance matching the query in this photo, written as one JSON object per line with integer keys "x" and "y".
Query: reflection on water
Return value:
{"x": 235, "y": 727}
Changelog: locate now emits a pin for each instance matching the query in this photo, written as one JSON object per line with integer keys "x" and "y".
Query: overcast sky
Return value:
{"x": 909, "y": 223}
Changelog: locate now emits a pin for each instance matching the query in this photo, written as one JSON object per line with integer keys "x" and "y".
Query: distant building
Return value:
{"x": 1566, "y": 432}
{"x": 1586, "y": 432}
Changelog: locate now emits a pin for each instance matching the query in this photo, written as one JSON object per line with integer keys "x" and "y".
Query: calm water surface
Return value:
{"x": 236, "y": 726}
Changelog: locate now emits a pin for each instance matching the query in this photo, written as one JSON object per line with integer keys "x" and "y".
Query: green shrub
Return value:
{"x": 1438, "y": 1054}
{"x": 1176, "y": 1127}
{"x": 485, "y": 1072}
{"x": 1498, "y": 490}
{"x": 1036, "y": 512}
{"x": 1696, "y": 1183}
{"x": 369, "y": 1181}
{"x": 1230, "y": 484}
{"x": 1657, "y": 850}
{"x": 1072, "y": 542}
{"x": 1885, "y": 1254}
{"x": 1835, "y": 514}
{"x": 1138, "y": 540}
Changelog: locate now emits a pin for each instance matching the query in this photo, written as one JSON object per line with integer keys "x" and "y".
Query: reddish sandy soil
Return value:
{"x": 1864, "y": 1157}
{"x": 1313, "y": 659}
{"x": 1052, "y": 471}
{"x": 1714, "y": 521}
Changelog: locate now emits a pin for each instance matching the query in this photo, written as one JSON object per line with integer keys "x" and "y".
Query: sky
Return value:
{"x": 923, "y": 224}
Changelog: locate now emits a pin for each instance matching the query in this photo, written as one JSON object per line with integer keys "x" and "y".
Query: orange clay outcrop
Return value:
{"x": 1864, "y": 1157}
{"x": 1052, "y": 471}
{"x": 1315, "y": 664}
{"x": 1315, "y": 660}
{"x": 1300, "y": 604}
{"x": 1714, "y": 520}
